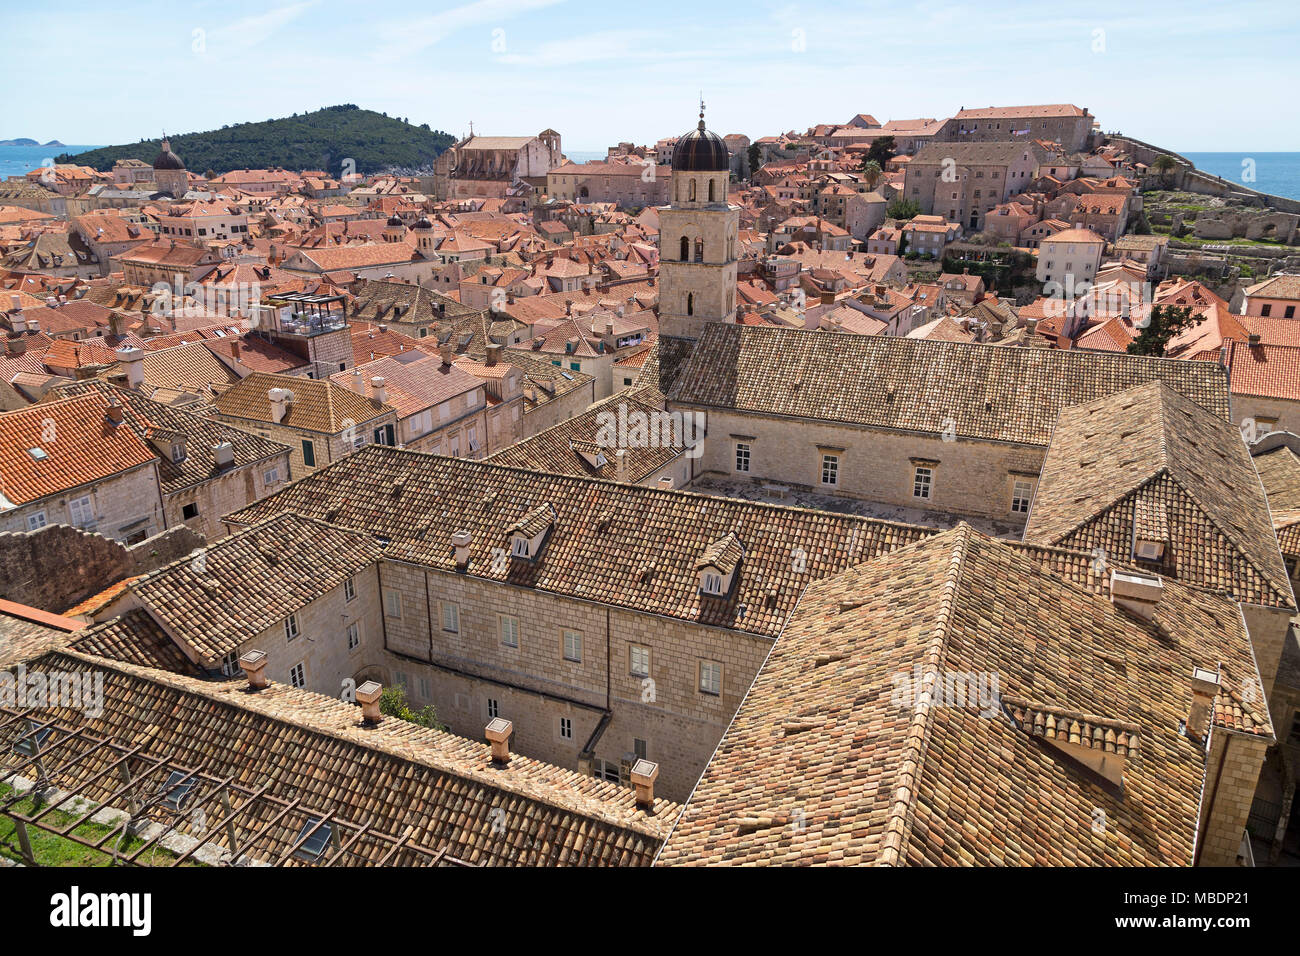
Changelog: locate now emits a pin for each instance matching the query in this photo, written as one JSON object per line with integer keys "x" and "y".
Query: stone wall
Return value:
{"x": 1232, "y": 771}
{"x": 59, "y": 565}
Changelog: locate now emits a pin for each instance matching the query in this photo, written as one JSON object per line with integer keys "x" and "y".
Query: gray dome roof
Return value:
{"x": 166, "y": 159}
{"x": 701, "y": 151}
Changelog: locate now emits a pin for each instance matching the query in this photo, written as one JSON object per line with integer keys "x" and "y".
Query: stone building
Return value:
{"x": 488, "y": 166}
{"x": 964, "y": 181}
{"x": 1063, "y": 123}
{"x": 697, "y": 238}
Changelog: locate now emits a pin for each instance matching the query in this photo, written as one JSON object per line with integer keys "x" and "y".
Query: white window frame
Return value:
{"x": 571, "y": 645}
{"x": 493, "y": 708}
{"x": 1022, "y": 493}
{"x": 744, "y": 457}
{"x": 292, "y": 629}
{"x": 711, "y": 582}
{"x": 37, "y": 520}
{"x": 831, "y": 469}
{"x": 508, "y": 628}
{"x": 710, "y": 678}
{"x": 78, "y": 509}
{"x": 354, "y": 635}
{"x": 349, "y": 590}
{"x": 636, "y": 652}
{"x": 923, "y": 481}
{"x": 451, "y": 617}
{"x": 298, "y": 675}
{"x": 566, "y": 728}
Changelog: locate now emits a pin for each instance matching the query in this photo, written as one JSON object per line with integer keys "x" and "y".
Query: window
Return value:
{"x": 1266, "y": 310}
{"x": 291, "y": 627}
{"x": 921, "y": 482}
{"x": 298, "y": 675}
{"x": 177, "y": 789}
{"x": 308, "y": 453}
{"x": 392, "y": 603}
{"x": 566, "y": 728}
{"x": 493, "y": 708}
{"x": 230, "y": 665}
{"x": 1021, "y": 493}
{"x": 349, "y": 589}
{"x": 1290, "y": 312}
{"x": 742, "y": 456}
{"x": 313, "y": 847}
{"x": 189, "y": 511}
{"x": 178, "y": 453}
{"x": 710, "y": 678}
{"x": 830, "y": 469}
{"x": 82, "y": 512}
{"x": 36, "y": 520}
{"x": 639, "y": 661}
{"x": 451, "y": 617}
{"x": 426, "y": 689}
{"x": 354, "y": 636}
{"x": 572, "y": 646}
{"x": 509, "y": 627}
{"x": 711, "y": 582}
{"x": 271, "y": 476}
{"x": 575, "y": 366}
{"x": 641, "y": 748}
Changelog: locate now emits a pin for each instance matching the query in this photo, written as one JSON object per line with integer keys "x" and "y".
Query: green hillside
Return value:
{"x": 319, "y": 140}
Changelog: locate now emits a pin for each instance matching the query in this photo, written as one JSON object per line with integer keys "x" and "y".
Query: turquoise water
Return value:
{"x": 1275, "y": 173}
{"x": 21, "y": 160}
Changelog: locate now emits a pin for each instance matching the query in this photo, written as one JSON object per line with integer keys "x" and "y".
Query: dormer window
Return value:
{"x": 529, "y": 534}
{"x": 717, "y": 567}
{"x": 1148, "y": 550}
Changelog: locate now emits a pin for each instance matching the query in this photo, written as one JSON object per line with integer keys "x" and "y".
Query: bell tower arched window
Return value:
{"x": 686, "y": 250}
{"x": 710, "y": 190}
{"x": 690, "y": 303}
{"x": 692, "y": 191}
{"x": 699, "y": 250}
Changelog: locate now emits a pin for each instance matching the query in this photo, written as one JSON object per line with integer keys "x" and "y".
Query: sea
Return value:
{"x": 21, "y": 160}
{"x": 1275, "y": 173}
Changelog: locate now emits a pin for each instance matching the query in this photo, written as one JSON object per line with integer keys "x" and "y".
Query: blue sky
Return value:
{"x": 1191, "y": 76}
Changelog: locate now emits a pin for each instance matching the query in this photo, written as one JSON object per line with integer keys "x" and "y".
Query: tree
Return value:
{"x": 755, "y": 154}
{"x": 1162, "y": 325}
{"x": 902, "y": 208}
{"x": 882, "y": 150}
{"x": 392, "y": 702}
{"x": 871, "y": 172}
{"x": 1164, "y": 165}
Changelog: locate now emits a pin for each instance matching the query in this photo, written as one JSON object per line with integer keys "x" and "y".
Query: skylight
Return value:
{"x": 177, "y": 790}
{"x": 38, "y": 453}
{"x": 314, "y": 846}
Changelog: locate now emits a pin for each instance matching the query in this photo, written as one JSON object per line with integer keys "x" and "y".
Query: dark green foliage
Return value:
{"x": 902, "y": 208}
{"x": 882, "y": 150}
{"x": 392, "y": 703}
{"x": 1164, "y": 324}
{"x": 319, "y": 140}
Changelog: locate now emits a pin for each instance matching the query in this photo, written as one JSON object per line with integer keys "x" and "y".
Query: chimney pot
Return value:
{"x": 253, "y": 665}
{"x": 368, "y": 695}
{"x": 498, "y": 731}
{"x": 1205, "y": 687}
{"x": 644, "y": 773}
{"x": 1137, "y": 593}
{"x": 461, "y": 541}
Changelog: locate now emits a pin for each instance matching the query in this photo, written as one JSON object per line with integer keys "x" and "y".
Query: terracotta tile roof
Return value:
{"x": 837, "y": 757}
{"x": 1016, "y": 112}
{"x": 248, "y": 582}
{"x": 1279, "y": 471}
{"x": 572, "y": 447}
{"x": 135, "y": 638}
{"x": 191, "y": 368}
{"x": 1270, "y": 371}
{"x": 991, "y": 393}
{"x": 1148, "y": 463}
{"x": 52, "y": 447}
{"x": 317, "y": 406}
{"x": 1283, "y": 286}
{"x": 143, "y": 415}
{"x": 625, "y": 545}
{"x": 315, "y": 749}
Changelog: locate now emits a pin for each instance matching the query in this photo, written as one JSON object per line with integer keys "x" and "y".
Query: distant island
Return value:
{"x": 23, "y": 141}
{"x": 323, "y": 140}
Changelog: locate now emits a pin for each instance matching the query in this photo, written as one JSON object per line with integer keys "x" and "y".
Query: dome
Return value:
{"x": 701, "y": 151}
{"x": 166, "y": 159}
{"x": 393, "y": 220}
{"x": 424, "y": 223}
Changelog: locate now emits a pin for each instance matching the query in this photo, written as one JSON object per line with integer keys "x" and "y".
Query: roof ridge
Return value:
{"x": 896, "y": 829}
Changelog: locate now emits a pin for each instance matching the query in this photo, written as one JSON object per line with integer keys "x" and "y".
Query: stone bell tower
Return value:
{"x": 697, "y": 238}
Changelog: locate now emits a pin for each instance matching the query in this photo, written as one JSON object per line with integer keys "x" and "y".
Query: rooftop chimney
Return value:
{"x": 17, "y": 344}
{"x": 253, "y": 665}
{"x": 461, "y": 541}
{"x": 380, "y": 392}
{"x": 279, "y": 398}
{"x": 620, "y": 465}
{"x": 1205, "y": 687}
{"x": 448, "y": 353}
{"x": 644, "y": 772}
{"x": 115, "y": 413}
{"x": 132, "y": 360}
{"x": 498, "y": 733}
{"x": 1136, "y": 593}
{"x": 494, "y": 350}
{"x": 223, "y": 453}
{"x": 368, "y": 695}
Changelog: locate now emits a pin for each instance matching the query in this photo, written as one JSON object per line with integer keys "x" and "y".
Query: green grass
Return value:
{"x": 51, "y": 850}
